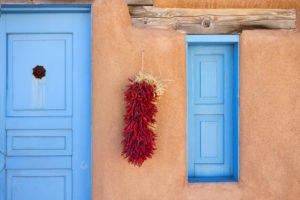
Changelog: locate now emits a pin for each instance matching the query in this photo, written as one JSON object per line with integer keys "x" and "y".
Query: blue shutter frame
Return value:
{"x": 213, "y": 111}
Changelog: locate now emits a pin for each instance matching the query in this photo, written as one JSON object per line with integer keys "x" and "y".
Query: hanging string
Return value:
{"x": 143, "y": 65}
{"x": 143, "y": 54}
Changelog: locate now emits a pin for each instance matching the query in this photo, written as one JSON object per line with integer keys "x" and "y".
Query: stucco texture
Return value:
{"x": 269, "y": 113}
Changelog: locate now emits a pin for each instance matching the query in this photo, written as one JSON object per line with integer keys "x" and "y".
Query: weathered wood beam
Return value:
{"x": 212, "y": 21}
{"x": 281, "y": 4}
{"x": 140, "y": 2}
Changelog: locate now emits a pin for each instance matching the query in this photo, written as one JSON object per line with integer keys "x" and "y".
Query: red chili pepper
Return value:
{"x": 139, "y": 137}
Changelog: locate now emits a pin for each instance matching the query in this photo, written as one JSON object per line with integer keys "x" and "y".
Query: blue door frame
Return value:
{"x": 45, "y": 124}
{"x": 208, "y": 168}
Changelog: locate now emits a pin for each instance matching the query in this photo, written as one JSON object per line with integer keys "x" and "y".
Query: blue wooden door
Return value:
{"x": 211, "y": 112}
{"x": 45, "y": 127}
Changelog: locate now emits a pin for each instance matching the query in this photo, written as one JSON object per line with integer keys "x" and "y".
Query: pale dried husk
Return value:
{"x": 152, "y": 80}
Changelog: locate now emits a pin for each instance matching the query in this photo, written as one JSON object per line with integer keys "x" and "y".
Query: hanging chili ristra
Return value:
{"x": 141, "y": 99}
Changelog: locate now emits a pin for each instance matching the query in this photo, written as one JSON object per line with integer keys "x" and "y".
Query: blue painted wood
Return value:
{"x": 38, "y": 162}
{"x": 39, "y": 142}
{"x": 209, "y": 141}
{"x": 39, "y": 184}
{"x": 45, "y": 123}
{"x": 82, "y": 96}
{"x": 236, "y": 113}
{"x": 212, "y": 179}
{"x": 210, "y": 79}
{"x": 46, "y": 8}
{"x": 213, "y": 108}
{"x": 196, "y": 39}
{"x": 15, "y": 123}
{"x": 2, "y": 108}
{"x": 28, "y": 96}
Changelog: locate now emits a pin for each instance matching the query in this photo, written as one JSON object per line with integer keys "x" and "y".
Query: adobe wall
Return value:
{"x": 269, "y": 113}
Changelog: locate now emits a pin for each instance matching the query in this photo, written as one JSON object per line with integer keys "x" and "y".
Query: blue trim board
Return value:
{"x": 212, "y": 179}
{"x": 201, "y": 52}
{"x": 46, "y": 8}
{"x": 212, "y": 38}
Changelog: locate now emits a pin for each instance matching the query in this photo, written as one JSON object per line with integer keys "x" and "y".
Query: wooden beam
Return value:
{"x": 285, "y": 4}
{"x": 212, "y": 21}
{"x": 140, "y": 2}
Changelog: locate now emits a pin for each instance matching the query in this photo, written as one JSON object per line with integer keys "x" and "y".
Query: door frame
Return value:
{"x": 194, "y": 40}
{"x": 45, "y": 8}
{"x": 48, "y": 9}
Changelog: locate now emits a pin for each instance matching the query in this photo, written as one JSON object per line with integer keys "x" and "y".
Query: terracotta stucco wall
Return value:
{"x": 270, "y": 110}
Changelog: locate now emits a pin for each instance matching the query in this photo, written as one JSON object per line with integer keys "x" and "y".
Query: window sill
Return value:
{"x": 212, "y": 179}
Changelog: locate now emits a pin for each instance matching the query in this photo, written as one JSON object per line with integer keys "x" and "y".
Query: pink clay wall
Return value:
{"x": 269, "y": 113}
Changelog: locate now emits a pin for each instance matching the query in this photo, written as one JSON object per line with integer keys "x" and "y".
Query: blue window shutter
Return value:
{"x": 212, "y": 79}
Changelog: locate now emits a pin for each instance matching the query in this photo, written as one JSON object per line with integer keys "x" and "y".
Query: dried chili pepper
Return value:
{"x": 139, "y": 137}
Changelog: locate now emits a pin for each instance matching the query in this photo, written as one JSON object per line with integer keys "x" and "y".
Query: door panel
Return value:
{"x": 208, "y": 79}
{"x": 45, "y": 122}
{"x": 210, "y": 111}
{"x": 39, "y": 142}
{"x": 37, "y": 185}
{"x": 209, "y": 140}
{"x": 49, "y": 96}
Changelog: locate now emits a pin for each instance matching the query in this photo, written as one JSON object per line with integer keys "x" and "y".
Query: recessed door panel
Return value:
{"x": 39, "y": 142}
{"x": 39, "y": 185}
{"x": 208, "y": 78}
{"x": 47, "y": 95}
{"x": 209, "y": 139}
